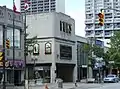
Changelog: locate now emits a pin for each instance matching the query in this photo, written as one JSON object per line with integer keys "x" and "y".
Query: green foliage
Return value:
{"x": 98, "y": 51}
{"x": 114, "y": 50}
{"x": 30, "y": 42}
{"x": 86, "y": 48}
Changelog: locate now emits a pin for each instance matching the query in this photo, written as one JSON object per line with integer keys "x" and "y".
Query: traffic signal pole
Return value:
{"x": 101, "y": 23}
{"x": 113, "y": 22}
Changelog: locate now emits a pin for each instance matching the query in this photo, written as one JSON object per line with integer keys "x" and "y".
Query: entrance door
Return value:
{"x": 1, "y": 76}
{"x": 17, "y": 77}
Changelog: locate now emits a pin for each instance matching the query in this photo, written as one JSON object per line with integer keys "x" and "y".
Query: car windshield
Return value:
{"x": 110, "y": 76}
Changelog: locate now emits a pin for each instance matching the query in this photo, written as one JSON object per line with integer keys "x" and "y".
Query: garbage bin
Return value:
{"x": 60, "y": 83}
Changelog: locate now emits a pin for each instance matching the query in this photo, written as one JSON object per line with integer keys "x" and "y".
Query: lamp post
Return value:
{"x": 34, "y": 64}
{"x": 4, "y": 70}
{"x": 25, "y": 51}
{"x": 89, "y": 72}
{"x": 99, "y": 66}
{"x": 13, "y": 41}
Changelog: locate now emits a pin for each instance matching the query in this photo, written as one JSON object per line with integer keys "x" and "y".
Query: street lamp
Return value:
{"x": 34, "y": 64}
{"x": 99, "y": 65}
{"x": 110, "y": 65}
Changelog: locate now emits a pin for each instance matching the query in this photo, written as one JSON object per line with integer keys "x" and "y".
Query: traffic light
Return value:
{"x": 1, "y": 56}
{"x": 101, "y": 18}
{"x": 7, "y": 44}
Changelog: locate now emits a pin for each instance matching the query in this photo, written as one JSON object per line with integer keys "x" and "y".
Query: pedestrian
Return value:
{"x": 76, "y": 83}
{"x": 97, "y": 77}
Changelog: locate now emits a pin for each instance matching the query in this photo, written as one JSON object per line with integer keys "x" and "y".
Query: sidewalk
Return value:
{"x": 65, "y": 86}
{"x": 68, "y": 86}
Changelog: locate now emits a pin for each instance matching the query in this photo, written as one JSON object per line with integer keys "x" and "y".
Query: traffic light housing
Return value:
{"x": 1, "y": 56}
{"x": 7, "y": 44}
{"x": 101, "y": 18}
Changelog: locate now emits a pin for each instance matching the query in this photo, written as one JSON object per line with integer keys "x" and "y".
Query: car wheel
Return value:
{"x": 114, "y": 81}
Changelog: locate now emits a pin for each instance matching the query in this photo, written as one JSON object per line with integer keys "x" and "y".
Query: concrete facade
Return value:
{"x": 82, "y": 58}
{"x": 6, "y": 19}
{"x": 57, "y": 29}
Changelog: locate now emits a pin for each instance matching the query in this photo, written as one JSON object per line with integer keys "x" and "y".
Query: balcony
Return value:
{"x": 117, "y": 28}
{"x": 99, "y": 35}
{"x": 117, "y": 20}
{"x": 88, "y": 21}
{"x": 109, "y": 28}
{"x": 99, "y": 28}
{"x": 110, "y": 20}
{"x": 108, "y": 35}
{"x": 87, "y": 29}
{"x": 89, "y": 35}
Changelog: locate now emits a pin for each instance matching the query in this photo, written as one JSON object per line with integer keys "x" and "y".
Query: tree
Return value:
{"x": 87, "y": 48}
{"x": 98, "y": 51}
{"x": 114, "y": 50}
{"x": 29, "y": 43}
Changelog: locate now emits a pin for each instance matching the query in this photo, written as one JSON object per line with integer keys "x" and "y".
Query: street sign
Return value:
{"x": 111, "y": 62}
{"x": 84, "y": 66}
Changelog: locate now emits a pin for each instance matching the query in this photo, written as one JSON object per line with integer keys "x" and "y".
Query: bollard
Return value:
{"x": 46, "y": 87}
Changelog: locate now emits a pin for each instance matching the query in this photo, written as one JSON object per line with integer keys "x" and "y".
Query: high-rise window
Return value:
{"x": 16, "y": 35}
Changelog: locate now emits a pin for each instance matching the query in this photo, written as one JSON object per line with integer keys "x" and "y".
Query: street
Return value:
{"x": 82, "y": 86}
{"x": 105, "y": 86}
{"x": 71, "y": 86}
{"x": 110, "y": 86}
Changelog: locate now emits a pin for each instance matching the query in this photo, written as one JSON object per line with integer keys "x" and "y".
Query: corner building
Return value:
{"x": 6, "y": 20}
{"x": 57, "y": 57}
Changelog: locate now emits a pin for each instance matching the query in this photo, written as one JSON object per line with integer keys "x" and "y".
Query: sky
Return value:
{"x": 74, "y": 8}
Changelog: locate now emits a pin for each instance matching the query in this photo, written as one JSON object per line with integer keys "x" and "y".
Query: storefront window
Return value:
{"x": 16, "y": 35}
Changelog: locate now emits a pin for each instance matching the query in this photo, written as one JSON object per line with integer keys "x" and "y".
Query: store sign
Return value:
{"x": 48, "y": 48}
{"x": 65, "y": 52}
{"x": 36, "y": 49}
{"x": 17, "y": 64}
{"x": 99, "y": 43}
{"x": 6, "y": 64}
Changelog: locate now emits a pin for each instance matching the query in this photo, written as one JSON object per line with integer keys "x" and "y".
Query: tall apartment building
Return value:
{"x": 112, "y": 18}
{"x": 44, "y": 6}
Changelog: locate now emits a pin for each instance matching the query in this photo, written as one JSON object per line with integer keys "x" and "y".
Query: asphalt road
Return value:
{"x": 80, "y": 86}
{"x": 108, "y": 86}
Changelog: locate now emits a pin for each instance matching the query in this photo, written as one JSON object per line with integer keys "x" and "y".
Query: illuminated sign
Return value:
{"x": 6, "y": 64}
{"x": 48, "y": 48}
{"x": 36, "y": 49}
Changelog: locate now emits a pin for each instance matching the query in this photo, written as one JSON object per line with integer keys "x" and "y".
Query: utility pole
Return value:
{"x": 25, "y": 75}
{"x": 89, "y": 69}
{"x": 4, "y": 70}
{"x": 13, "y": 41}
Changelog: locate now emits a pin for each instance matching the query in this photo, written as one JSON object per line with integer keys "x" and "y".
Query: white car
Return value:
{"x": 111, "y": 78}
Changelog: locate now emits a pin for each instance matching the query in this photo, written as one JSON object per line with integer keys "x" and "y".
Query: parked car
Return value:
{"x": 111, "y": 78}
